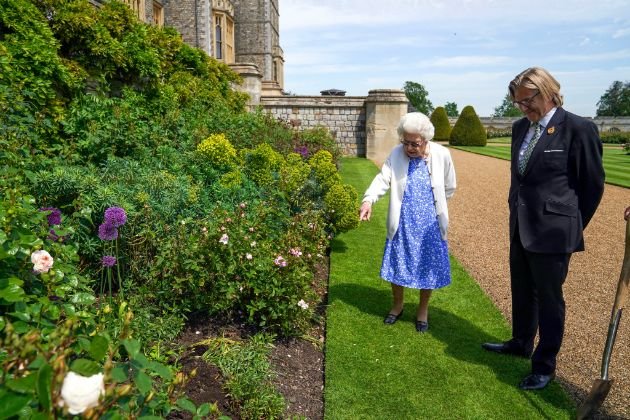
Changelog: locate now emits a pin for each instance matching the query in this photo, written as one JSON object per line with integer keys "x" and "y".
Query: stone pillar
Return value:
{"x": 383, "y": 109}
{"x": 252, "y": 82}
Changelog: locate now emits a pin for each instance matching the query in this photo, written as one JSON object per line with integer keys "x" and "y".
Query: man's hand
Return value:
{"x": 366, "y": 211}
{"x": 626, "y": 213}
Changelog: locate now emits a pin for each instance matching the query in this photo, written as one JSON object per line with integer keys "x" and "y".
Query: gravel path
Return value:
{"x": 478, "y": 238}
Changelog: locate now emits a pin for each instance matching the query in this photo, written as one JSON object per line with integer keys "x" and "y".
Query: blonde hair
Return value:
{"x": 416, "y": 123}
{"x": 539, "y": 79}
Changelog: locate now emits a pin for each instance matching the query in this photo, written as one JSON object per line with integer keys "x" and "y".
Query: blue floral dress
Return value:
{"x": 417, "y": 256}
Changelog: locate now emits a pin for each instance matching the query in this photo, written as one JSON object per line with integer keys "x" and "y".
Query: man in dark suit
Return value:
{"x": 557, "y": 181}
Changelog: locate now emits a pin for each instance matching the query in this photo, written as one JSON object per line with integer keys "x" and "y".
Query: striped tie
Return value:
{"x": 522, "y": 163}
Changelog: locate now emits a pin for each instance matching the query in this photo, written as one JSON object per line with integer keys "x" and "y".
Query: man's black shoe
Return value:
{"x": 506, "y": 348}
{"x": 533, "y": 381}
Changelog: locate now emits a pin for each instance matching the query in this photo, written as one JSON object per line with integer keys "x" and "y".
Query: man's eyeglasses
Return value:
{"x": 527, "y": 101}
{"x": 413, "y": 145}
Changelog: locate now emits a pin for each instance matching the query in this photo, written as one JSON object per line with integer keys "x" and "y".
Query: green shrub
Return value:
{"x": 262, "y": 164}
{"x": 439, "y": 118}
{"x": 324, "y": 169}
{"x": 468, "y": 130}
{"x": 615, "y": 137}
{"x": 342, "y": 207}
{"x": 493, "y": 133}
{"x": 218, "y": 151}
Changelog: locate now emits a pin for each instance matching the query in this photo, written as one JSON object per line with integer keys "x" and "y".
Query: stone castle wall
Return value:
{"x": 364, "y": 126}
{"x": 344, "y": 116}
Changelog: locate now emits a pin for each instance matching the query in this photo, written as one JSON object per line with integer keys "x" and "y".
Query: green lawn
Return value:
{"x": 616, "y": 161}
{"x": 374, "y": 371}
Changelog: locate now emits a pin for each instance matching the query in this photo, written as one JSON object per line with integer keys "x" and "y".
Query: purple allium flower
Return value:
{"x": 54, "y": 217}
{"x": 107, "y": 232}
{"x": 302, "y": 150}
{"x": 109, "y": 261}
{"x": 115, "y": 216}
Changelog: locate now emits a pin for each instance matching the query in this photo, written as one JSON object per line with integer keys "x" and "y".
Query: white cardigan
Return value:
{"x": 394, "y": 174}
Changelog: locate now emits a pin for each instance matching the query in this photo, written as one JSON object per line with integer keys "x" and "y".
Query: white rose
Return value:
{"x": 42, "y": 261}
{"x": 80, "y": 392}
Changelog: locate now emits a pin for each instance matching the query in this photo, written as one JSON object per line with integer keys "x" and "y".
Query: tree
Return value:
{"x": 439, "y": 119}
{"x": 468, "y": 130}
{"x": 507, "y": 108}
{"x": 615, "y": 102}
{"x": 451, "y": 109}
{"x": 418, "y": 96}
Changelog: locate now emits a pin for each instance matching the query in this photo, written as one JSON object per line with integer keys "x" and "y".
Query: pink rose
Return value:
{"x": 42, "y": 261}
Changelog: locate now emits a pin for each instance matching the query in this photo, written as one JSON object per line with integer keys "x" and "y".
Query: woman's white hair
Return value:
{"x": 416, "y": 123}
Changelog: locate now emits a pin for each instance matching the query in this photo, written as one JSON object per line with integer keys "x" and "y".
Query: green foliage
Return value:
{"x": 439, "y": 119}
{"x": 342, "y": 207}
{"x": 37, "y": 300}
{"x": 468, "y": 130}
{"x": 324, "y": 169}
{"x": 493, "y": 133}
{"x": 218, "y": 152}
{"x": 615, "y": 137}
{"x": 310, "y": 141}
{"x": 34, "y": 368}
{"x": 262, "y": 164}
{"x": 615, "y": 102}
{"x": 451, "y": 109}
{"x": 247, "y": 373}
{"x": 418, "y": 97}
{"x": 33, "y": 79}
{"x": 507, "y": 108}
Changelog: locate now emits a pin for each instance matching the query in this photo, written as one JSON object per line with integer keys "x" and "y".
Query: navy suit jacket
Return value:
{"x": 563, "y": 183}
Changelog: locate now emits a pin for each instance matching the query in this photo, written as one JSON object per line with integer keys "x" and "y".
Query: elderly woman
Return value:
{"x": 421, "y": 176}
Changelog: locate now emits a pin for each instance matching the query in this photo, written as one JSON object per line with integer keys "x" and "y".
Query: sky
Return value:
{"x": 462, "y": 51}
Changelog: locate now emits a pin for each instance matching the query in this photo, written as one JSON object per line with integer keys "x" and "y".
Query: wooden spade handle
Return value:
{"x": 620, "y": 300}
{"x": 624, "y": 277}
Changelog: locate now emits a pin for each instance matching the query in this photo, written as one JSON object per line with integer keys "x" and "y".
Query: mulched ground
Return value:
{"x": 478, "y": 238}
{"x": 298, "y": 364}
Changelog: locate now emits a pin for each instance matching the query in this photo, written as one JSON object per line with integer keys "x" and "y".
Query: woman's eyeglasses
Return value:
{"x": 527, "y": 101}
{"x": 412, "y": 144}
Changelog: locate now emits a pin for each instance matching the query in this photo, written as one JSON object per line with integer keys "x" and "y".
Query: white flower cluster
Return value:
{"x": 79, "y": 393}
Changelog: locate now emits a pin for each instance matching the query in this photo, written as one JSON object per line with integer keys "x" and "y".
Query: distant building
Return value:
{"x": 242, "y": 33}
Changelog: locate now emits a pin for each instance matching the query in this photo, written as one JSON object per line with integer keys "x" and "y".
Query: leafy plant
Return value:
{"x": 441, "y": 124}
{"x": 247, "y": 373}
{"x": 468, "y": 130}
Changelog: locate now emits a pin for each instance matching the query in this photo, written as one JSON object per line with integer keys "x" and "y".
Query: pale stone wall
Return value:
{"x": 252, "y": 82}
{"x": 344, "y": 116}
{"x": 257, "y": 39}
{"x": 384, "y": 108}
{"x": 192, "y": 19}
{"x": 362, "y": 126}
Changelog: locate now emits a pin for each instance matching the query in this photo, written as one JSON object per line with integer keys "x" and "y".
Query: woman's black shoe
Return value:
{"x": 391, "y": 318}
{"x": 422, "y": 326}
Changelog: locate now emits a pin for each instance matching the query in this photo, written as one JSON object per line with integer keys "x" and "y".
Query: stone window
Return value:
{"x": 223, "y": 37}
{"x": 158, "y": 14}
{"x": 138, "y": 7}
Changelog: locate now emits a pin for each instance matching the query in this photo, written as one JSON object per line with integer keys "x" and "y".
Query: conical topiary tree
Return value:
{"x": 439, "y": 118}
{"x": 468, "y": 130}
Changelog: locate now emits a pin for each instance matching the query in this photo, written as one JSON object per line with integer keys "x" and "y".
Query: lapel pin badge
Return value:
{"x": 551, "y": 130}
